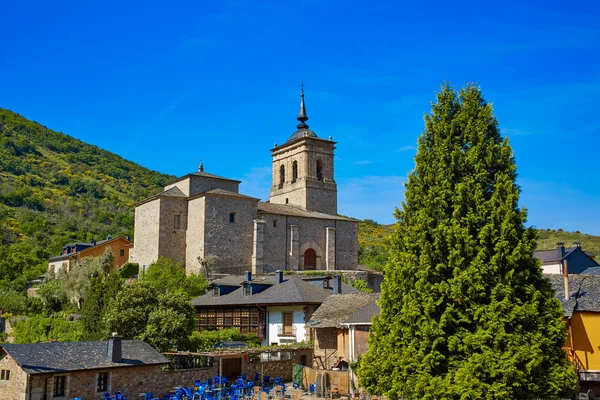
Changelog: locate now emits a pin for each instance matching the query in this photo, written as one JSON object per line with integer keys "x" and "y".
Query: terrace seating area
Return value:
{"x": 220, "y": 388}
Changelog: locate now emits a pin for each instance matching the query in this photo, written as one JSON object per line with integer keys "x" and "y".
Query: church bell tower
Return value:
{"x": 303, "y": 169}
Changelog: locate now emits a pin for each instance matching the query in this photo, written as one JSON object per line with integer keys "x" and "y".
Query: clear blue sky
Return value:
{"x": 166, "y": 84}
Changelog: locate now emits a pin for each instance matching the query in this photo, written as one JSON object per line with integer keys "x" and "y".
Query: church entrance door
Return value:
{"x": 310, "y": 259}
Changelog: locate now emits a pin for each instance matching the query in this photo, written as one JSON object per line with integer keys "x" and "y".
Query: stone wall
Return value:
{"x": 172, "y": 240}
{"x": 16, "y": 387}
{"x": 195, "y": 234}
{"x": 307, "y": 191}
{"x": 231, "y": 242}
{"x": 312, "y": 234}
{"x": 199, "y": 184}
{"x": 146, "y": 234}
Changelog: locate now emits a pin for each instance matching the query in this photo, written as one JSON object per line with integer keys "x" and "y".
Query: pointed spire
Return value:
{"x": 201, "y": 167}
{"x": 302, "y": 117}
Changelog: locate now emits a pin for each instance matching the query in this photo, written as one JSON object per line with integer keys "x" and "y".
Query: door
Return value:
{"x": 232, "y": 368}
{"x": 310, "y": 259}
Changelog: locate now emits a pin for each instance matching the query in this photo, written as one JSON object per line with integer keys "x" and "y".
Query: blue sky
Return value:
{"x": 166, "y": 84}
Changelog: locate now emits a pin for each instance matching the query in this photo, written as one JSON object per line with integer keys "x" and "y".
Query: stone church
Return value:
{"x": 201, "y": 215}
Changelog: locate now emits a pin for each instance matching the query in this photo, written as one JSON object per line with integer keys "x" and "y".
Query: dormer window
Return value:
{"x": 247, "y": 290}
{"x": 326, "y": 284}
{"x": 216, "y": 291}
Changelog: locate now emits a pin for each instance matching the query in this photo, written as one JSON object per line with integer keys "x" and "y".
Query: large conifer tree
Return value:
{"x": 465, "y": 310}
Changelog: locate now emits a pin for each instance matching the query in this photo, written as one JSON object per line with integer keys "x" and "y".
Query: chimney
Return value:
{"x": 114, "y": 352}
{"x": 337, "y": 284}
{"x": 108, "y": 237}
{"x": 279, "y": 275}
{"x": 247, "y": 276}
{"x": 128, "y": 237}
{"x": 561, "y": 247}
{"x": 93, "y": 242}
{"x": 566, "y": 274}
{"x": 577, "y": 244}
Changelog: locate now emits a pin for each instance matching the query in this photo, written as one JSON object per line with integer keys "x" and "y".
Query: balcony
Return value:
{"x": 286, "y": 331}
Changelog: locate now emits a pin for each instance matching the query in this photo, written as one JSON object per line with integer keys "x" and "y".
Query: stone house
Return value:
{"x": 200, "y": 215}
{"x": 65, "y": 370}
{"x": 275, "y": 307}
{"x": 76, "y": 251}
{"x": 577, "y": 260}
{"x": 340, "y": 328}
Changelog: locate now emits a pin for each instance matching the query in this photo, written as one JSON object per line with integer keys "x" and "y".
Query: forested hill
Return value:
{"x": 373, "y": 239}
{"x": 55, "y": 189}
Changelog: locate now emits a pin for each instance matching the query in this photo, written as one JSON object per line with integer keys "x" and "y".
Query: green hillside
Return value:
{"x": 373, "y": 239}
{"x": 55, "y": 189}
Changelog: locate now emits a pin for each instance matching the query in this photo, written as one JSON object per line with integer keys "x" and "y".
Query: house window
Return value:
{"x": 4, "y": 375}
{"x": 59, "y": 386}
{"x": 122, "y": 253}
{"x": 177, "y": 221}
{"x": 274, "y": 223}
{"x": 294, "y": 171}
{"x": 102, "y": 382}
{"x": 287, "y": 323}
{"x": 247, "y": 290}
{"x": 232, "y": 217}
{"x": 216, "y": 291}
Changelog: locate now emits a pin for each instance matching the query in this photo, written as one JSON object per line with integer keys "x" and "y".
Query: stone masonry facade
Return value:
{"x": 201, "y": 215}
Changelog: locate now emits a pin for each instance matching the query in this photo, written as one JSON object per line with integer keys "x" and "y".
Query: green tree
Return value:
{"x": 465, "y": 310}
{"x": 141, "y": 311}
{"x": 103, "y": 289}
{"x": 165, "y": 276}
{"x": 170, "y": 323}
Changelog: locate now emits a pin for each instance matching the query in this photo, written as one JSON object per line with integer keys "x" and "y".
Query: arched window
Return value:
{"x": 294, "y": 171}
{"x": 319, "y": 170}
{"x": 281, "y": 176}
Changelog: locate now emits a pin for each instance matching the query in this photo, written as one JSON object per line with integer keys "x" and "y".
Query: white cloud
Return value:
{"x": 406, "y": 148}
{"x": 362, "y": 162}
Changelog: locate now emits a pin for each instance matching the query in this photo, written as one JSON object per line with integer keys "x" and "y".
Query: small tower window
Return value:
{"x": 231, "y": 217}
{"x": 281, "y": 176}
{"x": 274, "y": 223}
{"x": 294, "y": 171}
{"x": 287, "y": 200}
{"x": 319, "y": 170}
{"x": 177, "y": 221}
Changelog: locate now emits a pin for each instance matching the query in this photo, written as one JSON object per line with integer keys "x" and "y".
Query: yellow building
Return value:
{"x": 582, "y": 315}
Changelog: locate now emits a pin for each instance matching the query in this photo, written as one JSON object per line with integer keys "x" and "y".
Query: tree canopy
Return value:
{"x": 465, "y": 310}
